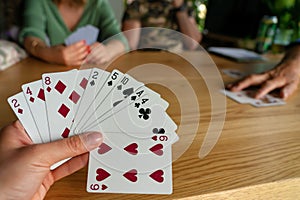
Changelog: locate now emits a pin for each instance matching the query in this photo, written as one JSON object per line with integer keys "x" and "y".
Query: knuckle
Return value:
{"x": 74, "y": 144}
{"x": 33, "y": 150}
{"x": 252, "y": 77}
{"x": 269, "y": 83}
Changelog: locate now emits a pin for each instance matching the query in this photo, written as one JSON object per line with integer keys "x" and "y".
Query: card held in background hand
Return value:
{"x": 88, "y": 33}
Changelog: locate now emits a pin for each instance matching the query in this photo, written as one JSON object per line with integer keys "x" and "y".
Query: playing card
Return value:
{"x": 81, "y": 84}
{"x": 145, "y": 150}
{"x": 135, "y": 174}
{"x": 95, "y": 83}
{"x": 88, "y": 33}
{"x": 157, "y": 126}
{"x": 123, "y": 104}
{"x": 99, "y": 98}
{"x": 234, "y": 73}
{"x": 247, "y": 97}
{"x": 60, "y": 99}
{"x": 35, "y": 97}
{"x": 267, "y": 100}
{"x": 138, "y": 114}
{"x": 123, "y": 89}
{"x": 240, "y": 97}
{"x": 19, "y": 105}
{"x": 160, "y": 131}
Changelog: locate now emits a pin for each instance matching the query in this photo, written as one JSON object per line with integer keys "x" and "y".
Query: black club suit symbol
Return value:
{"x": 144, "y": 113}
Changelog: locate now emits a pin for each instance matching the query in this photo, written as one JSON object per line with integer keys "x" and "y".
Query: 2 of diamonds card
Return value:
{"x": 136, "y": 155}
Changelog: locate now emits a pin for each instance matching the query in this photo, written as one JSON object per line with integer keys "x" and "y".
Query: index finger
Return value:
{"x": 251, "y": 80}
{"x": 270, "y": 85}
{"x": 78, "y": 44}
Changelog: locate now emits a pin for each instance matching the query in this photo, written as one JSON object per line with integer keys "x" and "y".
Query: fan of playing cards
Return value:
{"x": 136, "y": 155}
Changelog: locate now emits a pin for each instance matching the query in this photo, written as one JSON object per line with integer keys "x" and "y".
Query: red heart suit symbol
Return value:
{"x": 103, "y": 148}
{"x": 103, "y": 187}
{"x": 157, "y": 149}
{"x": 101, "y": 174}
{"x": 158, "y": 176}
{"x": 154, "y": 138}
{"x": 131, "y": 175}
{"x": 132, "y": 148}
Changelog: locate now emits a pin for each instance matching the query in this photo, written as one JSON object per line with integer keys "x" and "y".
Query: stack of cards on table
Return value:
{"x": 136, "y": 155}
{"x": 246, "y": 97}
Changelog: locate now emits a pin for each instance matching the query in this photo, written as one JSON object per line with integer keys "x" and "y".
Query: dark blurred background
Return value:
{"x": 223, "y": 23}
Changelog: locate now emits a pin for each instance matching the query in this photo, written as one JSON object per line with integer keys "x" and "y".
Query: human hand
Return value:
{"x": 100, "y": 54}
{"x": 73, "y": 55}
{"x": 25, "y": 167}
{"x": 285, "y": 76}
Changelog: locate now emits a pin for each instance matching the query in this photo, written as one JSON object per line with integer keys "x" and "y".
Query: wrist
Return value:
{"x": 37, "y": 48}
{"x": 44, "y": 53}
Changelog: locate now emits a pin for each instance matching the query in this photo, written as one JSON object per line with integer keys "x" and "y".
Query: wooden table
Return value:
{"x": 256, "y": 157}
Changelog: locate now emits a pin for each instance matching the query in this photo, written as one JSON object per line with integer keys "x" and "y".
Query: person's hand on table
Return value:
{"x": 286, "y": 77}
{"x": 72, "y": 55}
{"x": 100, "y": 54}
{"x": 25, "y": 167}
{"x": 104, "y": 53}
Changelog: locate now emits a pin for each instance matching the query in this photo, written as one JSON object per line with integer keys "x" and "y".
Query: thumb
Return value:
{"x": 69, "y": 147}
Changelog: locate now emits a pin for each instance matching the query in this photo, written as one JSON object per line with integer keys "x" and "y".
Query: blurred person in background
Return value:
{"x": 170, "y": 14}
{"x": 48, "y": 23}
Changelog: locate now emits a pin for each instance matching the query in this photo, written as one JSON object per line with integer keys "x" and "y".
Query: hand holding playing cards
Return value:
{"x": 285, "y": 76}
{"x": 101, "y": 54}
{"x": 25, "y": 167}
{"x": 72, "y": 55}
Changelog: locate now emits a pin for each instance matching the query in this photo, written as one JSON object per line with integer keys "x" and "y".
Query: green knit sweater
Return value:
{"x": 42, "y": 19}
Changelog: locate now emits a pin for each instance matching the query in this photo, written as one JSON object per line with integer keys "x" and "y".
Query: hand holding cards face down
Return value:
{"x": 88, "y": 33}
{"x": 136, "y": 155}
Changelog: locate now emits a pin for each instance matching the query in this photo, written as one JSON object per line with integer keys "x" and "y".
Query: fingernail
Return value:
{"x": 92, "y": 140}
{"x": 284, "y": 95}
{"x": 88, "y": 48}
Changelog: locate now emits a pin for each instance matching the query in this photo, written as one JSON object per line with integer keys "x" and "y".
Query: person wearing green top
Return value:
{"x": 47, "y": 23}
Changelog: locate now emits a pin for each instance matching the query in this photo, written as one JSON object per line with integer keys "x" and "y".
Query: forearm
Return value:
{"x": 188, "y": 28}
{"x": 132, "y": 38}
{"x": 115, "y": 48}
{"x": 38, "y": 48}
{"x": 131, "y": 30}
{"x": 292, "y": 58}
{"x": 293, "y": 53}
